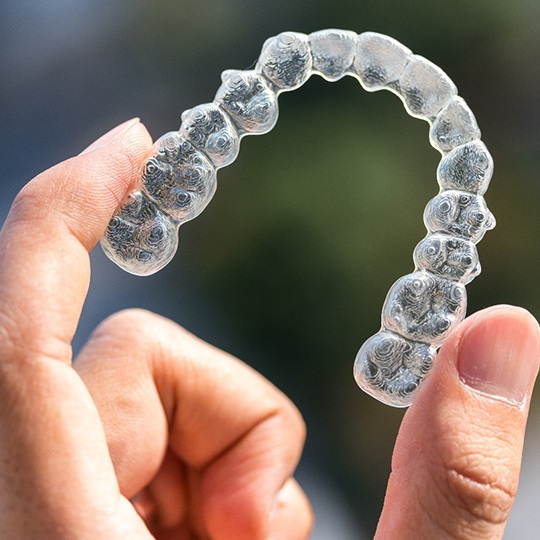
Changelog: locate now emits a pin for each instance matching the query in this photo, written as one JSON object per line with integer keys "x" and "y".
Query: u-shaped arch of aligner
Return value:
{"x": 179, "y": 179}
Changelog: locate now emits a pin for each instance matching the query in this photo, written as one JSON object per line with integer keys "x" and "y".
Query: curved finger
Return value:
{"x": 456, "y": 462}
{"x": 54, "y": 222}
{"x": 157, "y": 387}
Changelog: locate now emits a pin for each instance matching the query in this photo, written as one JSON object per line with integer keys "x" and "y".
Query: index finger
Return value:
{"x": 54, "y": 222}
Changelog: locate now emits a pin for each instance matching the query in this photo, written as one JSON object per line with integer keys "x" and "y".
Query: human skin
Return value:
{"x": 153, "y": 433}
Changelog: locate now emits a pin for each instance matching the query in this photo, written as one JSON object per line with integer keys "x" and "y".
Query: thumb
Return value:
{"x": 54, "y": 222}
{"x": 56, "y": 475}
{"x": 457, "y": 458}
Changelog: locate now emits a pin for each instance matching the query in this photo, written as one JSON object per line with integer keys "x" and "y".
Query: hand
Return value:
{"x": 205, "y": 446}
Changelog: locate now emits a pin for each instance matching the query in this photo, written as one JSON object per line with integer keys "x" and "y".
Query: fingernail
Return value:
{"x": 104, "y": 140}
{"x": 499, "y": 354}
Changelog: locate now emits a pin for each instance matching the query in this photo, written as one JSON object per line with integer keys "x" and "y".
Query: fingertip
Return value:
{"x": 493, "y": 354}
{"x": 241, "y": 487}
{"x": 83, "y": 192}
{"x": 292, "y": 516}
{"x": 288, "y": 517}
{"x": 499, "y": 354}
{"x": 129, "y": 141}
{"x": 108, "y": 137}
{"x": 115, "y": 159}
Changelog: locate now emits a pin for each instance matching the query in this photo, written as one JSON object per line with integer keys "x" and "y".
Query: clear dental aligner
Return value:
{"x": 421, "y": 309}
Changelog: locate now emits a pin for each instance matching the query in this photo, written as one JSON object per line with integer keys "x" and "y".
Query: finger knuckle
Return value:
{"x": 130, "y": 326}
{"x": 131, "y": 321}
{"x": 480, "y": 489}
{"x": 28, "y": 202}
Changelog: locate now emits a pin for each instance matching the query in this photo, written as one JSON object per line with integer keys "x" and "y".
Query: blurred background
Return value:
{"x": 289, "y": 265}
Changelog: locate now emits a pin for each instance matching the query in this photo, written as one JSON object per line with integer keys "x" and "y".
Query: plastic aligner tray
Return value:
{"x": 178, "y": 180}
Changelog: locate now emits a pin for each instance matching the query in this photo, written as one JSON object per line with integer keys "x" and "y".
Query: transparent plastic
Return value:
{"x": 391, "y": 368}
{"x": 178, "y": 180}
{"x": 448, "y": 257}
{"x": 468, "y": 167}
{"x": 333, "y": 53}
{"x": 424, "y": 307}
{"x": 380, "y": 61}
{"x": 247, "y": 98}
{"x": 455, "y": 125}
{"x": 286, "y": 61}
{"x": 140, "y": 238}
{"x": 459, "y": 213}
{"x": 209, "y": 129}
{"x": 425, "y": 88}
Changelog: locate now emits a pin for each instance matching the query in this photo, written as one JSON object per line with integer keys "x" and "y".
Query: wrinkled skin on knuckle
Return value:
{"x": 484, "y": 499}
{"x": 480, "y": 490}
